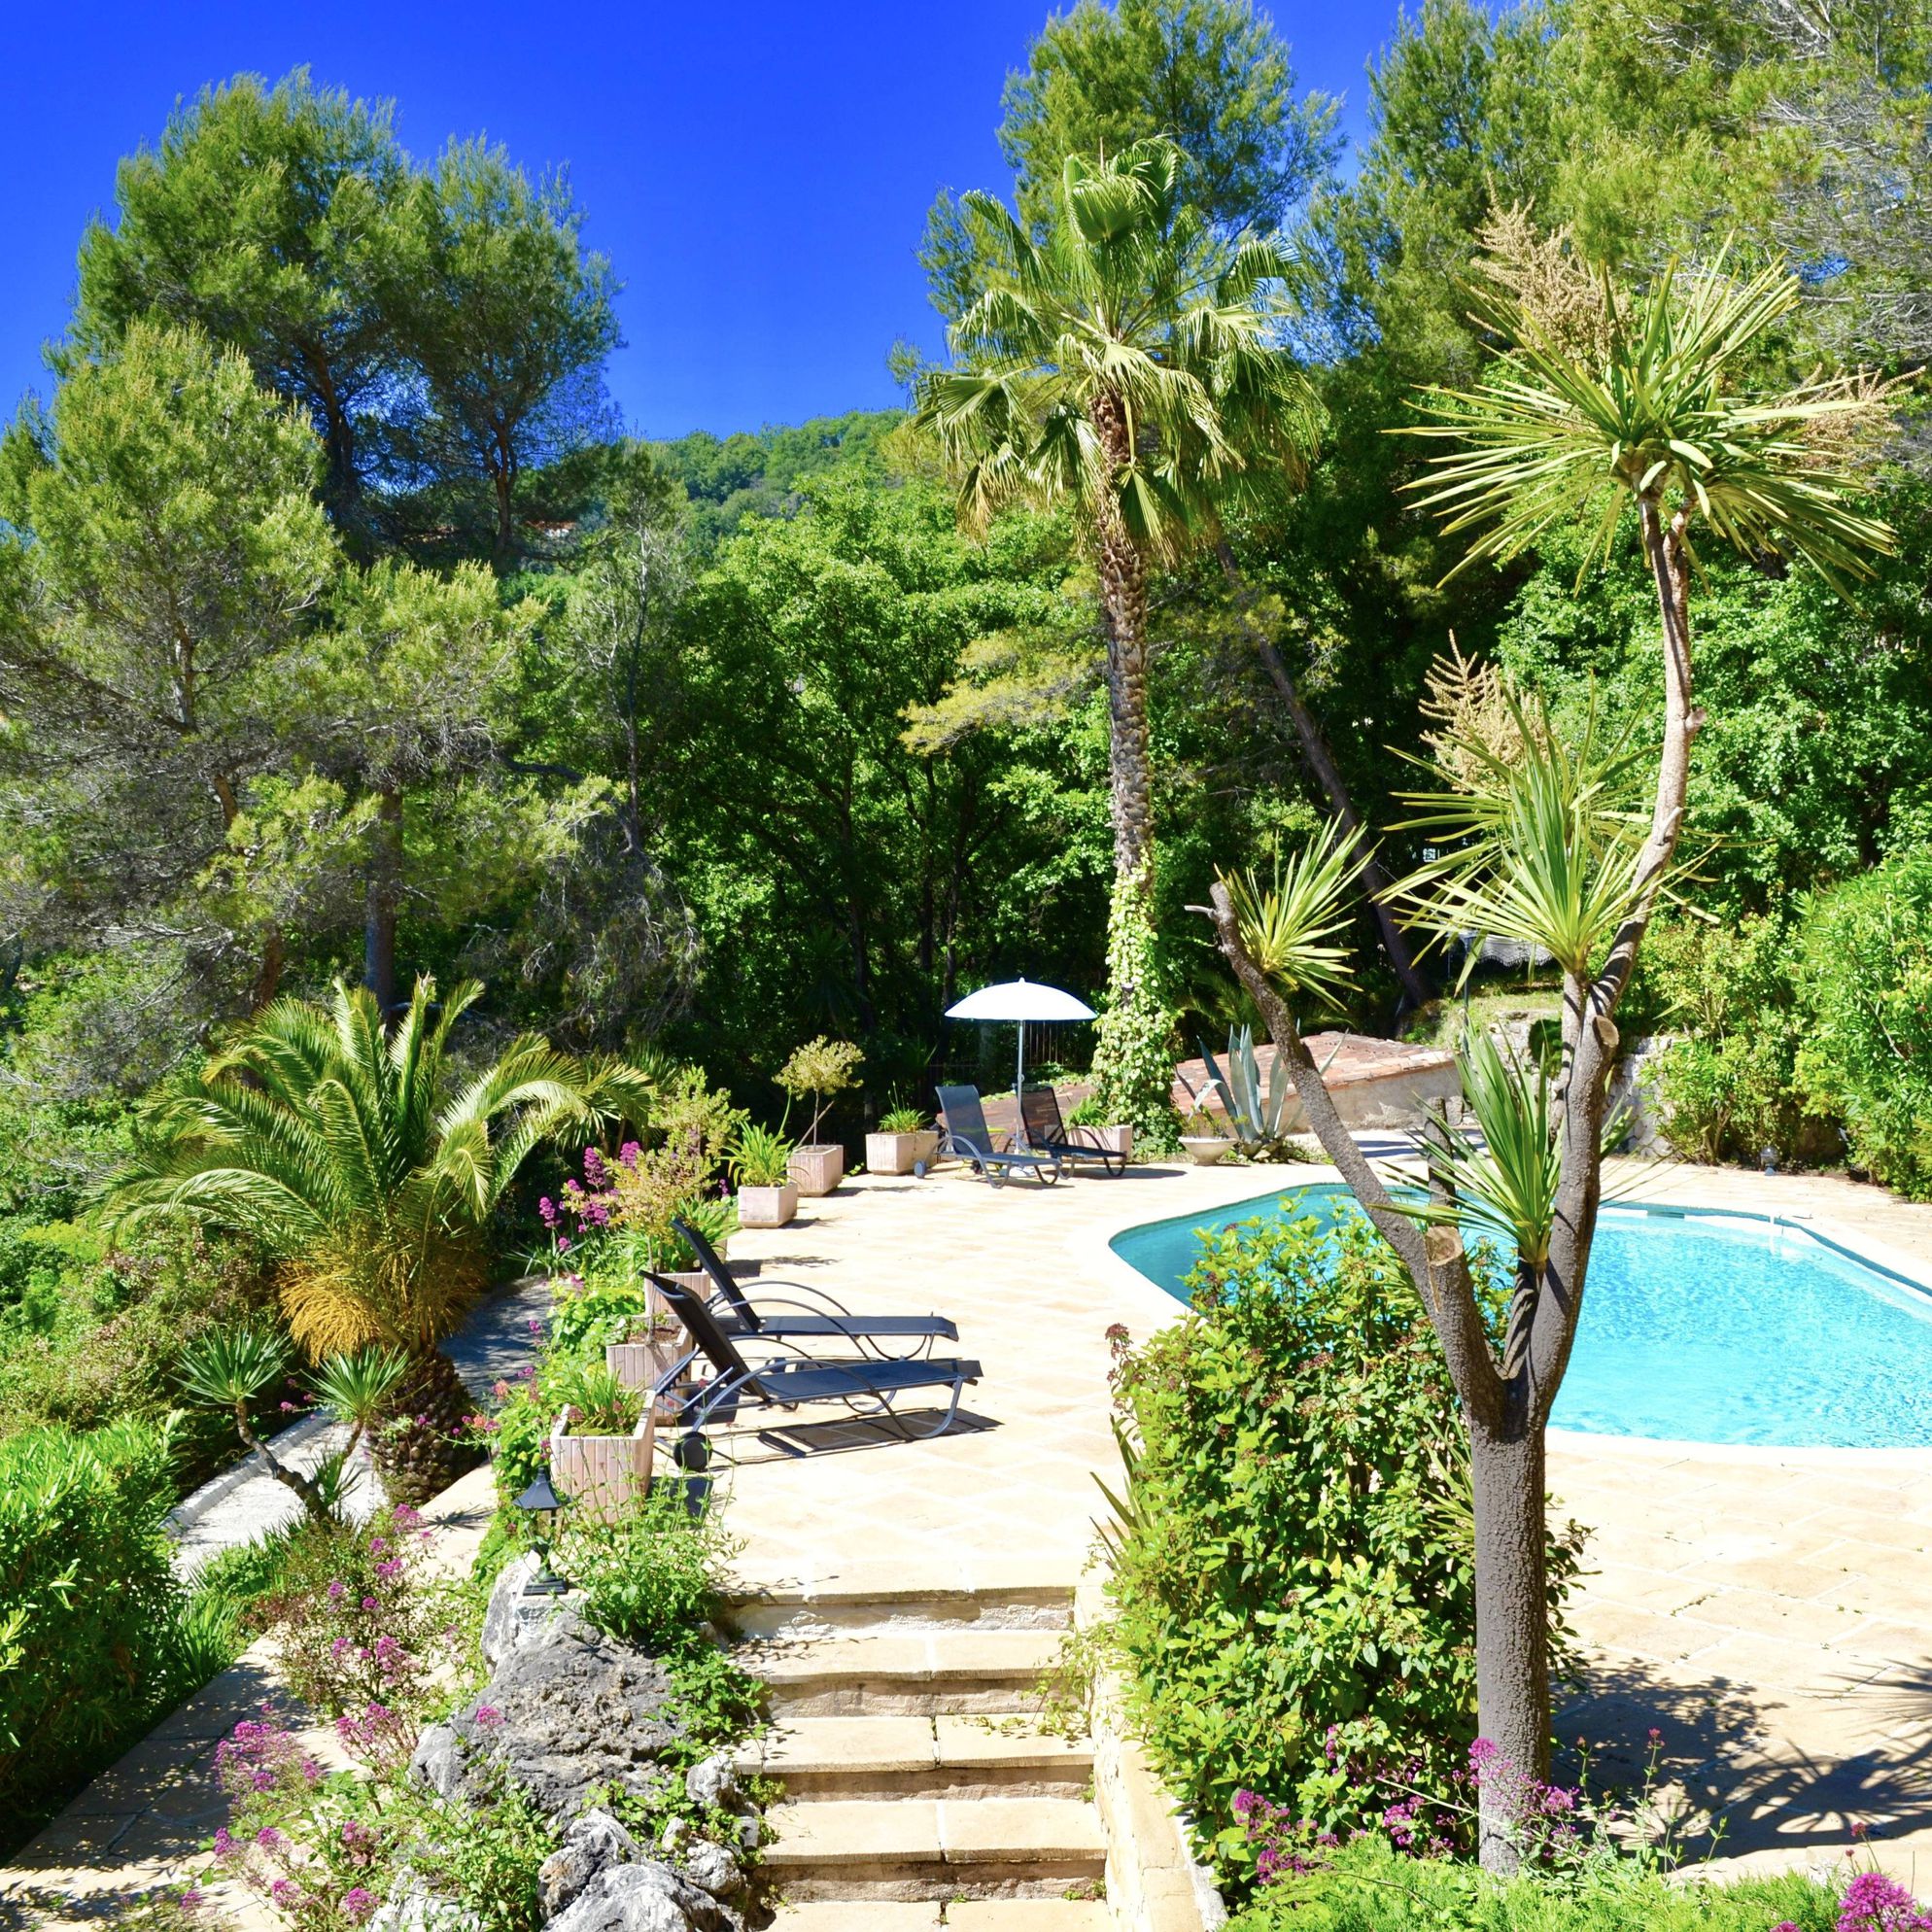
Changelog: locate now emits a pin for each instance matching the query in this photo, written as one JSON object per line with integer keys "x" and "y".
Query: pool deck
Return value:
{"x": 1766, "y": 1611}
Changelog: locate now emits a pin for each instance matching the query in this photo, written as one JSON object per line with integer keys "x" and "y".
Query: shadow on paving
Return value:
{"x": 1721, "y": 1744}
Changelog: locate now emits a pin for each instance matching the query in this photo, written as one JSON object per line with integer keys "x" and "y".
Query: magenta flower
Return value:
{"x": 358, "y": 1903}
{"x": 488, "y": 1716}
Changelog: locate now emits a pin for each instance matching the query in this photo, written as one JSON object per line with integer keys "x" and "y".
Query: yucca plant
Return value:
{"x": 370, "y": 1168}
{"x": 1639, "y": 409}
{"x": 1127, "y": 366}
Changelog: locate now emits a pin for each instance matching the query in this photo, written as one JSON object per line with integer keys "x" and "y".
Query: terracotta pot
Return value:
{"x": 1204, "y": 1150}
{"x": 603, "y": 1476}
{"x": 767, "y": 1207}
{"x": 818, "y": 1170}
{"x": 900, "y": 1154}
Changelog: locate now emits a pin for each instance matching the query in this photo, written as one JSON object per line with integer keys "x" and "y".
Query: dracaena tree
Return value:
{"x": 371, "y": 1166}
{"x": 1595, "y": 406}
{"x": 1123, "y": 367}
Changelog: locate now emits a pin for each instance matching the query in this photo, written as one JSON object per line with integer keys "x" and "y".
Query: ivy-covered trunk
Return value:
{"x": 1133, "y": 1064}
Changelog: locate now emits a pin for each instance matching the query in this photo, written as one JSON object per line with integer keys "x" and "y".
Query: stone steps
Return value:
{"x": 953, "y": 1757}
{"x": 916, "y": 1793}
{"x": 939, "y": 1673}
{"x": 958, "y": 1915}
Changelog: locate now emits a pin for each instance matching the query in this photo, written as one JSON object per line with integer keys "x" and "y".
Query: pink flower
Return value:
{"x": 488, "y": 1716}
{"x": 370, "y": 1604}
{"x": 377, "y": 1546}
{"x": 337, "y": 1588}
{"x": 358, "y": 1903}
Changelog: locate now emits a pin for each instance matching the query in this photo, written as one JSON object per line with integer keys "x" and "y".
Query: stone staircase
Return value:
{"x": 917, "y": 1791}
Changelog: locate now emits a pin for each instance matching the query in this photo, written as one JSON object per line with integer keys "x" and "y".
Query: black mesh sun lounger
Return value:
{"x": 965, "y": 1135}
{"x": 780, "y": 1317}
{"x": 868, "y": 1389}
{"x": 1046, "y": 1132}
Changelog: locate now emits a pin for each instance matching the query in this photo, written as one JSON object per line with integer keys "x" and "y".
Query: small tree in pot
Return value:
{"x": 823, "y": 1068}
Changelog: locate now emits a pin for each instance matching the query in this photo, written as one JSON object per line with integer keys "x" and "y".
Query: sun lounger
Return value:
{"x": 1048, "y": 1133}
{"x": 965, "y": 1135}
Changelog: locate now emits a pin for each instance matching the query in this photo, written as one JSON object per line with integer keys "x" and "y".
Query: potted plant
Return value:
{"x": 903, "y": 1144}
{"x": 760, "y": 1162}
{"x": 1202, "y": 1140}
{"x": 1090, "y": 1123}
{"x": 601, "y": 1444}
{"x": 823, "y": 1069}
{"x": 647, "y": 1349}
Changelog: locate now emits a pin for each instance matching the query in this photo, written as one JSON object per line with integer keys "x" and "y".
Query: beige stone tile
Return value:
{"x": 874, "y": 1744}
{"x": 1009, "y": 1740}
{"x": 853, "y": 1831}
{"x": 1015, "y": 1830}
{"x": 860, "y": 1916}
{"x": 1026, "y": 1914}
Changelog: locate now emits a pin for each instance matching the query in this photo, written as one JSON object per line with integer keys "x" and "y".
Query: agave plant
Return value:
{"x": 370, "y": 1171}
{"x": 1257, "y": 1121}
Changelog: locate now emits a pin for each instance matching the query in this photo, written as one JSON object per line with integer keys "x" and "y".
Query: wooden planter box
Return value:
{"x": 1206, "y": 1150}
{"x": 900, "y": 1154}
{"x": 642, "y": 1365}
{"x": 767, "y": 1207}
{"x": 602, "y": 1476}
{"x": 816, "y": 1170}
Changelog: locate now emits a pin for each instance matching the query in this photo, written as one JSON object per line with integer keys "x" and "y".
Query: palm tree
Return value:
{"x": 369, "y": 1169}
{"x": 1123, "y": 367}
{"x": 1639, "y": 407}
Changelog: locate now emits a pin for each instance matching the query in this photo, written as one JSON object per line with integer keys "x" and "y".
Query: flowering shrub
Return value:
{"x": 1874, "y": 1903}
{"x": 354, "y": 1624}
{"x": 1292, "y": 1582}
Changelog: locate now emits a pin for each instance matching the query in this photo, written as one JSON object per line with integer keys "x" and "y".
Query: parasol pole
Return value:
{"x": 1018, "y": 1078}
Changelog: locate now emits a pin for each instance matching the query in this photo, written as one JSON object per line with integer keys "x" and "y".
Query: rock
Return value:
{"x": 715, "y": 1781}
{"x": 567, "y": 1712}
{"x": 676, "y": 1831}
{"x": 410, "y": 1909}
{"x": 510, "y": 1614}
{"x": 713, "y": 1869}
{"x": 439, "y": 1760}
{"x": 595, "y": 1842}
{"x": 644, "y": 1897}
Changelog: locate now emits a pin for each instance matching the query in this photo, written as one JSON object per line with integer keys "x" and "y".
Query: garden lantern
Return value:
{"x": 542, "y": 1503}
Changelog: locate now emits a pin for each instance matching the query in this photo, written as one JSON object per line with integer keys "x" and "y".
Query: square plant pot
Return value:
{"x": 767, "y": 1207}
{"x": 900, "y": 1154}
{"x": 818, "y": 1170}
{"x": 1117, "y": 1139}
{"x": 603, "y": 1476}
{"x": 645, "y": 1363}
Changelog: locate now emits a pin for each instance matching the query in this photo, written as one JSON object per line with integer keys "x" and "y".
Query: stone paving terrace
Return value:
{"x": 1767, "y": 1611}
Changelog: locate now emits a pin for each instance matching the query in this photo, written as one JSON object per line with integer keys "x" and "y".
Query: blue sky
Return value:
{"x": 757, "y": 173}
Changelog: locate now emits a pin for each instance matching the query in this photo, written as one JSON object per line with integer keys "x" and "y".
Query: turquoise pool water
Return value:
{"x": 1697, "y": 1328}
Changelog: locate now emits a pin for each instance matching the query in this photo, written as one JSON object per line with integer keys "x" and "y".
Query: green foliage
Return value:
{"x": 824, "y": 1069}
{"x": 903, "y": 1120}
{"x": 1730, "y": 1089}
{"x": 1864, "y": 971}
{"x": 759, "y": 1158}
{"x": 84, "y": 1563}
{"x": 603, "y": 1406}
{"x": 1365, "y": 1888}
{"x": 1292, "y": 1582}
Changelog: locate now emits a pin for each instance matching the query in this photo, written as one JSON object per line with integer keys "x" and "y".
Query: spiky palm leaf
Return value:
{"x": 1553, "y": 438}
{"x": 1129, "y": 307}
{"x": 1293, "y": 928}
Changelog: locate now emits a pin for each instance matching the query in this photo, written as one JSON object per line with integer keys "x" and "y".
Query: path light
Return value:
{"x": 1768, "y": 1160}
{"x": 543, "y": 1503}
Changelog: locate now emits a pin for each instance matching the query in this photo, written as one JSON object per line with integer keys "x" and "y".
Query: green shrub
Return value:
{"x": 1367, "y": 1888}
{"x": 1730, "y": 1087}
{"x": 1293, "y": 1587}
{"x": 84, "y": 1555}
{"x": 1864, "y": 973}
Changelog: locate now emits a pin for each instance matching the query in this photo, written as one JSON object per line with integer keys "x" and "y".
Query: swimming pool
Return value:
{"x": 1697, "y": 1326}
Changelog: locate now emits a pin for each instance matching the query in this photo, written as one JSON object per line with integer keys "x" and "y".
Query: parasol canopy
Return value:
{"x": 1017, "y": 1001}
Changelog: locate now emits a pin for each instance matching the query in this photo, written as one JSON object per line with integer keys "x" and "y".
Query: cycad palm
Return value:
{"x": 370, "y": 1171}
{"x": 1125, "y": 368}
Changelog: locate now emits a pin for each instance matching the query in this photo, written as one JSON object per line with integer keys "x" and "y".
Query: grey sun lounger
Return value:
{"x": 1049, "y": 1133}
{"x": 780, "y": 1317}
{"x": 965, "y": 1135}
{"x": 871, "y": 1388}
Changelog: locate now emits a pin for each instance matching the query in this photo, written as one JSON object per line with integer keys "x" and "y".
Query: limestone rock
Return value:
{"x": 713, "y": 1869}
{"x": 644, "y": 1897}
{"x": 511, "y": 1616}
{"x": 567, "y": 1712}
{"x": 594, "y": 1842}
{"x": 410, "y": 1909}
{"x": 715, "y": 1781}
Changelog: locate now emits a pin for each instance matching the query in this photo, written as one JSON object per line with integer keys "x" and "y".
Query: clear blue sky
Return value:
{"x": 757, "y": 173}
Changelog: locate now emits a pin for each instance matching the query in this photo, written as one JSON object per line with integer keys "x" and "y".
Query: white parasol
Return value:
{"x": 1016, "y": 1002}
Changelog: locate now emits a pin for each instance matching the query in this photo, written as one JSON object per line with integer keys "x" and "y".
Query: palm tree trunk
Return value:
{"x": 426, "y": 1442}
